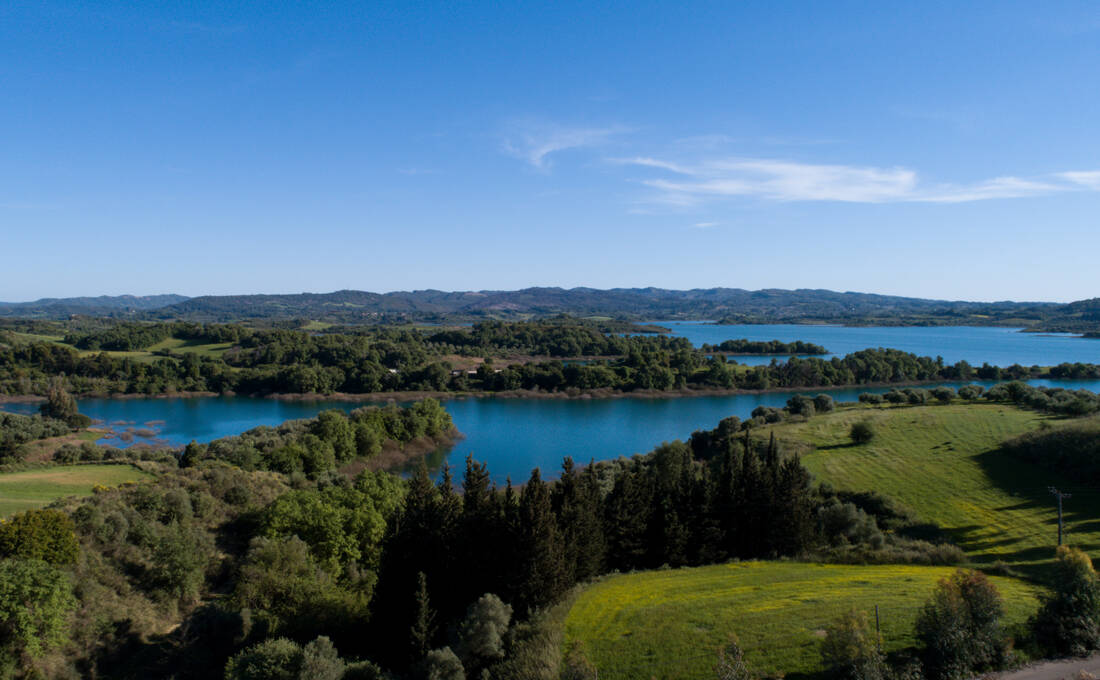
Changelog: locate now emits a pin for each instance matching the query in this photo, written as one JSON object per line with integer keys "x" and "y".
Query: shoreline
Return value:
{"x": 405, "y": 396}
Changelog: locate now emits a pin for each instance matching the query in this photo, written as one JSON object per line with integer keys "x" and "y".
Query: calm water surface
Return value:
{"x": 511, "y": 435}
{"x": 516, "y": 435}
{"x": 998, "y": 346}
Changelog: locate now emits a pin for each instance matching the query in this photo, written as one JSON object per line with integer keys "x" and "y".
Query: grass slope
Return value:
{"x": 943, "y": 464}
{"x": 177, "y": 345}
{"x": 669, "y": 624}
{"x": 36, "y": 488}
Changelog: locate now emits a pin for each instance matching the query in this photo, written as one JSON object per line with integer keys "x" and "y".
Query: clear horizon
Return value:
{"x": 934, "y": 150}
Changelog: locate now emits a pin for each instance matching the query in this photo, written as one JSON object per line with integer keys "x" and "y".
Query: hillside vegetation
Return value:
{"x": 944, "y": 468}
{"x": 1073, "y": 450}
{"x": 733, "y": 305}
{"x": 944, "y": 464}
{"x": 668, "y": 624}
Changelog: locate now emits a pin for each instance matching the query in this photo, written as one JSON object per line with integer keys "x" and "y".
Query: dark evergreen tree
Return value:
{"x": 422, "y": 632}
{"x": 541, "y": 575}
{"x": 626, "y": 521}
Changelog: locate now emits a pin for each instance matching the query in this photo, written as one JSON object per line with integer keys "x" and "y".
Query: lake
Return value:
{"x": 998, "y": 346}
{"x": 511, "y": 435}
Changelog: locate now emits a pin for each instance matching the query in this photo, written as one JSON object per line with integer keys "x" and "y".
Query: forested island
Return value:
{"x": 564, "y": 357}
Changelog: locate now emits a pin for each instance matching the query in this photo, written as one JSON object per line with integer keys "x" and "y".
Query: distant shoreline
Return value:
{"x": 403, "y": 396}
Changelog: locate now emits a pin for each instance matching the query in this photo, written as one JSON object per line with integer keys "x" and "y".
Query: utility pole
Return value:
{"x": 878, "y": 631}
{"x": 1059, "y": 495}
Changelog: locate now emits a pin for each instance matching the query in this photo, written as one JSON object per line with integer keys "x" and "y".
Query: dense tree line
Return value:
{"x": 556, "y": 338}
{"x": 372, "y": 359}
{"x": 314, "y": 446}
{"x": 284, "y": 361}
{"x": 723, "y": 495}
{"x": 1056, "y": 400}
{"x": 744, "y": 346}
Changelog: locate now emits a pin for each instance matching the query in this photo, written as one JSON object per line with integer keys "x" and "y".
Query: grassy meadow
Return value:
{"x": 175, "y": 345}
{"x": 669, "y": 624}
{"x": 36, "y": 488}
{"x": 940, "y": 463}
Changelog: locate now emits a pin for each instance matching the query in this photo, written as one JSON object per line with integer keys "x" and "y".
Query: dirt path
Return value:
{"x": 1054, "y": 670}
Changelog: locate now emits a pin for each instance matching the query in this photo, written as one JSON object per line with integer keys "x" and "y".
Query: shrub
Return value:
{"x": 823, "y": 403}
{"x": 845, "y": 524}
{"x": 320, "y": 661}
{"x": 971, "y": 392}
{"x": 731, "y": 662}
{"x": 960, "y": 627}
{"x": 1068, "y": 623}
{"x": 443, "y": 664}
{"x": 943, "y": 394}
{"x": 869, "y": 398}
{"x": 47, "y": 535}
{"x": 916, "y": 396}
{"x": 862, "y": 432}
{"x": 275, "y": 659}
{"x": 769, "y": 414}
{"x": 481, "y": 633}
{"x": 801, "y": 405}
{"x": 896, "y": 397}
{"x": 852, "y": 650}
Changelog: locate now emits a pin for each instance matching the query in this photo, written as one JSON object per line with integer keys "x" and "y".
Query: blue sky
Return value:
{"x": 947, "y": 150}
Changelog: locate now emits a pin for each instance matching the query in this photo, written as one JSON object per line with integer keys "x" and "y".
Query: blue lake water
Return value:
{"x": 511, "y": 435}
{"x": 516, "y": 435}
{"x": 998, "y": 346}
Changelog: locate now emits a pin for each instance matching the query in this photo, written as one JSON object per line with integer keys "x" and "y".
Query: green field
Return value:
{"x": 213, "y": 349}
{"x": 36, "y": 488}
{"x": 175, "y": 345}
{"x": 669, "y": 624}
{"x": 943, "y": 465}
{"x": 21, "y": 338}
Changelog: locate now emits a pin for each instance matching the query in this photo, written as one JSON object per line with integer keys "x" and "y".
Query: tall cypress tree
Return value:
{"x": 479, "y": 534}
{"x": 592, "y": 545}
{"x": 794, "y": 527}
{"x": 576, "y": 502}
{"x": 540, "y": 559}
{"x": 422, "y": 632}
{"x": 627, "y": 512}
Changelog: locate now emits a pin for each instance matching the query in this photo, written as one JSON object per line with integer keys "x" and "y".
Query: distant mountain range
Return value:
{"x": 727, "y": 305}
{"x": 104, "y": 305}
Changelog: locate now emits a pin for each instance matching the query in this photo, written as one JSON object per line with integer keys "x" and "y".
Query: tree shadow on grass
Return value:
{"x": 1029, "y": 483}
{"x": 834, "y": 447}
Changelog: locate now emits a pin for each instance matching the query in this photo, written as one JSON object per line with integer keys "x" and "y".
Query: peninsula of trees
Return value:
{"x": 548, "y": 357}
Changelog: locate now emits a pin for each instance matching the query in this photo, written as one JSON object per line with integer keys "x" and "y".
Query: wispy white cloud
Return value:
{"x": 535, "y": 142}
{"x": 998, "y": 187}
{"x": 705, "y": 225}
{"x": 1086, "y": 178}
{"x": 782, "y": 180}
